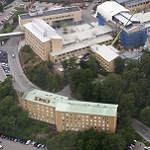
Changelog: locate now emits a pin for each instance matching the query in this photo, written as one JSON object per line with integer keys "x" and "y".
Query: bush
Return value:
{"x": 27, "y": 49}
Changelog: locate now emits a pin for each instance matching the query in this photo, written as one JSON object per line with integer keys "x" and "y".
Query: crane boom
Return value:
{"x": 116, "y": 38}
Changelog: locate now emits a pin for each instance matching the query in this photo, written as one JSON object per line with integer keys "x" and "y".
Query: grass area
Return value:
{"x": 28, "y": 57}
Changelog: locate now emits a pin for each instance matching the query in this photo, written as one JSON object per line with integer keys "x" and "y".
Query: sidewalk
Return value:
{"x": 21, "y": 44}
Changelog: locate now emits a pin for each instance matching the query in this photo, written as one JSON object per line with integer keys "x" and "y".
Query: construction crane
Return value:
{"x": 116, "y": 38}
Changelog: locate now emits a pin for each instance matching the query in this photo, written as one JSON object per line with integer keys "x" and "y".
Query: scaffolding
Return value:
{"x": 101, "y": 20}
{"x": 133, "y": 40}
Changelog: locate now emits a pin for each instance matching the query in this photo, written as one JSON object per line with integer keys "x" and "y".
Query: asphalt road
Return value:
{"x": 87, "y": 16}
{"x": 10, "y": 145}
{"x": 21, "y": 83}
{"x": 141, "y": 129}
{"x": 2, "y": 74}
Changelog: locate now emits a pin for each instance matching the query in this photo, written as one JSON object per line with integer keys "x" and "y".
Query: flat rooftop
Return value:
{"x": 84, "y": 32}
{"x": 80, "y": 107}
{"x": 131, "y": 55}
{"x": 109, "y": 53}
{"x": 62, "y": 103}
{"x": 42, "y": 30}
{"x": 53, "y": 98}
{"x": 135, "y": 2}
{"x": 143, "y": 17}
{"x": 51, "y": 12}
{"x": 83, "y": 44}
{"x": 130, "y": 1}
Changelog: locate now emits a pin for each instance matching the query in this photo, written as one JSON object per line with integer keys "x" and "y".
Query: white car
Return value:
{"x": 33, "y": 143}
{"x": 28, "y": 142}
{"x": 13, "y": 55}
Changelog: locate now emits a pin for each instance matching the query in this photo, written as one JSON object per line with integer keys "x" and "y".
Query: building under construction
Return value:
{"x": 134, "y": 34}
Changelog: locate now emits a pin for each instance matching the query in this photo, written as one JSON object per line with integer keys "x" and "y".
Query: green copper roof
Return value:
{"x": 63, "y": 104}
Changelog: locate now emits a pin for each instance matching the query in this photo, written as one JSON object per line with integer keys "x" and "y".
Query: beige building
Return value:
{"x": 105, "y": 56}
{"x": 134, "y": 4}
{"x": 48, "y": 44}
{"x": 55, "y": 18}
{"x": 42, "y": 38}
{"x": 138, "y": 5}
{"x": 67, "y": 114}
{"x": 78, "y": 41}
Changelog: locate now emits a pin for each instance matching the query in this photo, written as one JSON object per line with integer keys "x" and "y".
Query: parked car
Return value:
{"x": 28, "y": 142}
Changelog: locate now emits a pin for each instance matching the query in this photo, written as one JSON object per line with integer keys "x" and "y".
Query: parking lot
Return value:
{"x": 11, "y": 145}
{"x": 4, "y": 66}
{"x": 3, "y": 57}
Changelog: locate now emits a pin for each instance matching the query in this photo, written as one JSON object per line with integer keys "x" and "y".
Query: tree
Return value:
{"x": 97, "y": 92}
{"x": 119, "y": 65}
{"x": 49, "y": 65}
{"x": 1, "y": 7}
{"x": 69, "y": 64}
{"x": 65, "y": 30}
{"x": 65, "y": 64}
{"x": 111, "y": 87}
{"x": 113, "y": 142}
{"x": 65, "y": 140}
{"x": 91, "y": 64}
{"x": 132, "y": 63}
{"x": 145, "y": 115}
{"x": 26, "y": 49}
{"x": 126, "y": 103}
{"x": 83, "y": 77}
{"x": 145, "y": 64}
{"x": 6, "y": 24}
{"x": 84, "y": 91}
{"x": 128, "y": 134}
{"x": 15, "y": 19}
{"x": 72, "y": 62}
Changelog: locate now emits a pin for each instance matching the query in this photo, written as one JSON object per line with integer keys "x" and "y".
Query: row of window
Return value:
{"x": 144, "y": 3}
{"x": 78, "y": 128}
{"x": 42, "y": 119}
{"x": 35, "y": 44}
{"x": 59, "y": 17}
{"x": 85, "y": 122}
{"x": 82, "y": 116}
{"x": 51, "y": 117}
{"x": 74, "y": 51}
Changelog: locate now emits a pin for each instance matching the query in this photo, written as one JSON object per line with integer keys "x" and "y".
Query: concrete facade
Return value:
{"x": 53, "y": 17}
{"x": 135, "y": 5}
{"x": 48, "y": 44}
{"x": 42, "y": 38}
{"x": 67, "y": 114}
{"x": 105, "y": 55}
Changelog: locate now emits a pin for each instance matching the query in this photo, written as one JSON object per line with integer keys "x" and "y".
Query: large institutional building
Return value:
{"x": 48, "y": 44}
{"x": 134, "y": 4}
{"x": 54, "y": 45}
{"x": 105, "y": 56}
{"x": 134, "y": 33}
{"x": 67, "y": 114}
{"x": 55, "y": 18}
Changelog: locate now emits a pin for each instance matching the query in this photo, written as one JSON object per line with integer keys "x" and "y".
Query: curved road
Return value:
{"x": 21, "y": 83}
